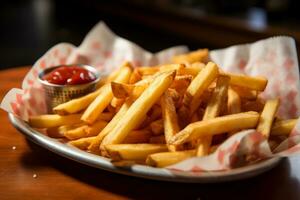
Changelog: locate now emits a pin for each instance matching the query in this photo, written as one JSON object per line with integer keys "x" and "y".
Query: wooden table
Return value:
{"x": 31, "y": 172}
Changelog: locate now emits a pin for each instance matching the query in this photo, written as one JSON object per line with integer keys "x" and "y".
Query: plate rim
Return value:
{"x": 141, "y": 171}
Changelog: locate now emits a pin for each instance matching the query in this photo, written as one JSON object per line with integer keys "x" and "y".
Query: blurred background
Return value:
{"x": 30, "y": 27}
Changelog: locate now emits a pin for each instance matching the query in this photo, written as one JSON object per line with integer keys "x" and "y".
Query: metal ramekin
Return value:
{"x": 58, "y": 94}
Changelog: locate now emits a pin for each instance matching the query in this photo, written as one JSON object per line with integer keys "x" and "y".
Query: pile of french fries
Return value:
{"x": 161, "y": 115}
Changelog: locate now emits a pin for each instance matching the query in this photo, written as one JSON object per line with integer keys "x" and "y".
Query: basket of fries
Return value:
{"x": 189, "y": 111}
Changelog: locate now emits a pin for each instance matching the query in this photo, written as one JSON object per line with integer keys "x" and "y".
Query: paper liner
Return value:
{"x": 274, "y": 58}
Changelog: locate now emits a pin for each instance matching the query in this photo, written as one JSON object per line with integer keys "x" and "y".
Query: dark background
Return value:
{"x": 30, "y": 27}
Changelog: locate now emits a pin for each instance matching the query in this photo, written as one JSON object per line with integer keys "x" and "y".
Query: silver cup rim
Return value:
{"x": 87, "y": 67}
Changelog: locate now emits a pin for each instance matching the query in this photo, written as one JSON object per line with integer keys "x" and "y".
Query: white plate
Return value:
{"x": 139, "y": 170}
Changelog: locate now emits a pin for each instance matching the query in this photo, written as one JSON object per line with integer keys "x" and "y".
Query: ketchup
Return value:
{"x": 71, "y": 75}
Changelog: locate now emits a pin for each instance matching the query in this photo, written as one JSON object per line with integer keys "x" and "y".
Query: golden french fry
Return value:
{"x": 104, "y": 98}
{"x": 176, "y": 97}
{"x": 157, "y": 127}
{"x": 213, "y": 109}
{"x": 215, "y": 126}
{"x": 168, "y": 158}
{"x": 138, "y": 136}
{"x": 76, "y": 105}
{"x": 171, "y": 67}
{"x": 245, "y": 93}
{"x": 117, "y": 103}
{"x": 76, "y": 133}
{"x": 120, "y": 90}
{"x": 251, "y": 82}
{"x": 54, "y": 133}
{"x": 181, "y": 83}
{"x": 58, "y": 132}
{"x": 200, "y": 55}
{"x": 283, "y": 127}
{"x": 94, "y": 129}
{"x": 125, "y": 90}
{"x": 53, "y": 120}
{"x": 146, "y": 71}
{"x": 133, "y": 151}
{"x": 234, "y": 102}
{"x": 135, "y": 76}
{"x": 138, "y": 110}
{"x": 94, "y": 147}
{"x": 191, "y": 99}
{"x": 192, "y": 69}
{"x": 256, "y": 105}
{"x": 82, "y": 143}
{"x": 160, "y": 139}
{"x": 85, "y": 130}
{"x": 170, "y": 120}
{"x": 267, "y": 117}
{"x": 218, "y": 99}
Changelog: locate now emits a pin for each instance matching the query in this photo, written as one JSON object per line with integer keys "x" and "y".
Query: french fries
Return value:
{"x": 103, "y": 99}
{"x": 85, "y": 130}
{"x": 164, "y": 114}
{"x": 192, "y": 69}
{"x": 170, "y": 120}
{"x": 135, "y": 76}
{"x": 76, "y": 105}
{"x": 122, "y": 91}
{"x": 233, "y": 104}
{"x": 48, "y": 121}
{"x": 138, "y": 136}
{"x": 117, "y": 103}
{"x": 76, "y": 133}
{"x": 146, "y": 71}
{"x": 191, "y": 99}
{"x": 215, "y": 126}
{"x": 133, "y": 151}
{"x": 82, "y": 143}
{"x": 213, "y": 109}
{"x": 254, "y": 83}
{"x": 95, "y": 145}
{"x": 245, "y": 92}
{"x": 267, "y": 117}
{"x": 168, "y": 158}
{"x": 137, "y": 111}
{"x": 59, "y": 132}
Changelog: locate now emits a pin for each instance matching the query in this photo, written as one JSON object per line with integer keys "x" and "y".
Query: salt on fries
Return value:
{"x": 161, "y": 115}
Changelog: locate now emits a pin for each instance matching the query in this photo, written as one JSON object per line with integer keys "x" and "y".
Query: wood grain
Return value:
{"x": 60, "y": 178}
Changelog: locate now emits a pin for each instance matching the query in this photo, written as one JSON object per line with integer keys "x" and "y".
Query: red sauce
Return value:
{"x": 71, "y": 75}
